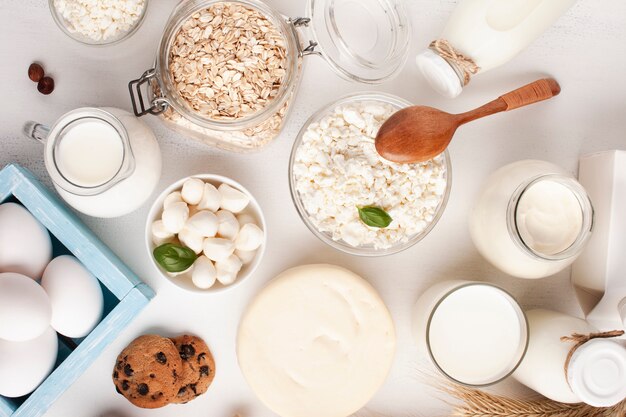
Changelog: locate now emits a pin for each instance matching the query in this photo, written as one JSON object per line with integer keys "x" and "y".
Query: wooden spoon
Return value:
{"x": 419, "y": 133}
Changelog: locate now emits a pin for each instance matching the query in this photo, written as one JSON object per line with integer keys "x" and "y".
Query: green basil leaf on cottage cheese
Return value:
{"x": 374, "y": 216}
{"x": 174, "y": 258}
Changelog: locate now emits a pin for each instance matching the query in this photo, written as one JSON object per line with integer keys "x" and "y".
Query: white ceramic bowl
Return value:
{"x": 184, "y": 280}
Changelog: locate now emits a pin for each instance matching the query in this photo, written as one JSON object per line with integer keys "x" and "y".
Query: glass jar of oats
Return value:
{"x": 226, "y": 71}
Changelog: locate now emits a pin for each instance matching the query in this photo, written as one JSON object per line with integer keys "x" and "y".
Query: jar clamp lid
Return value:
{"x": 363, "y": 40}
{"x": 597, "y": 372}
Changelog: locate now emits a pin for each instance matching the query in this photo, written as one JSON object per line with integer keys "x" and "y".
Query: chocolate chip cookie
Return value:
{"x": 198, "y": 368}
{"x": 148, "y": 371}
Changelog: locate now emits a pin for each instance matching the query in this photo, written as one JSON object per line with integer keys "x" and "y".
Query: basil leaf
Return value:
{"x": 374, "y": 216}
{"x": 174, "y": 258}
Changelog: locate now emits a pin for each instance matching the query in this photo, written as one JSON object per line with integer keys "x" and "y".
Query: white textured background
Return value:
{"x": 585, "y": 51}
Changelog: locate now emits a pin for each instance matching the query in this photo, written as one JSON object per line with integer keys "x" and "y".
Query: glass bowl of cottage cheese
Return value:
{"x": 352, "y": 198}
{"x": 98, "y": 22}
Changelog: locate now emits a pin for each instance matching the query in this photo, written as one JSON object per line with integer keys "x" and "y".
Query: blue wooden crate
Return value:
{"x": 124, "y": 294}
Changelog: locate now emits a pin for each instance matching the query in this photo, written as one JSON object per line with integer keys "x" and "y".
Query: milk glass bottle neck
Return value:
{"x": 521, "y": 204}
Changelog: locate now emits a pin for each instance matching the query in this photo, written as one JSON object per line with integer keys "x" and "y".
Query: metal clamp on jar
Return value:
{"x": 200, "y": 96}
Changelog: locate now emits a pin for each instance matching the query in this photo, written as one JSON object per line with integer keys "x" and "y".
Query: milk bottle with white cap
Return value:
{"x": 570, "y": 361}
{"x": 484, "y": 34}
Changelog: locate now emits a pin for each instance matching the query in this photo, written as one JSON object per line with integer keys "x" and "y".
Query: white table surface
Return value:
{"x": 585, "y": 50}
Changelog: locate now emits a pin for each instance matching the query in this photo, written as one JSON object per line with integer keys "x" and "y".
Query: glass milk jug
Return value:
{"x": 532, "y": 219}
{"x": 104, "y": 162}
{"x": 569, "y": 361}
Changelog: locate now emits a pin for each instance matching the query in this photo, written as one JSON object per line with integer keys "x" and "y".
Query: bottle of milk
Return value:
{"x": 104, "y": 162}
{"x": 595, "y": 373}
{"x": 484, "y": 34}
{"x": 532, "y": 219}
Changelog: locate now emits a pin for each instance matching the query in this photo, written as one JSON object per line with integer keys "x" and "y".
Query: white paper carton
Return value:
{"x": 599, "y": 274}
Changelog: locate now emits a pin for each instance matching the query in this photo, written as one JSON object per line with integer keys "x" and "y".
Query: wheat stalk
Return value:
{"x": 477, "y": 403}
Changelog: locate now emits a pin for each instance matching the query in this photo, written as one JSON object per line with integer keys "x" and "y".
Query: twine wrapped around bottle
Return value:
{"x": 581, "y": 339}
{"x": 464, "y": 63}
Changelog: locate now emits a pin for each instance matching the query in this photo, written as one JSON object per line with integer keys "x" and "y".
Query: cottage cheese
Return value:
{"x": 100, "y": 20}
{"x": 337, "y": 169}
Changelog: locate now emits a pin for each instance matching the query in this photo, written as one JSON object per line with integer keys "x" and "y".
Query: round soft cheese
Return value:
{"x": 317, "y": 341}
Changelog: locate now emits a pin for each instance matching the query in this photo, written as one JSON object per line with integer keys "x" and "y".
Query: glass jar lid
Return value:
{"x": 363, "y": 40}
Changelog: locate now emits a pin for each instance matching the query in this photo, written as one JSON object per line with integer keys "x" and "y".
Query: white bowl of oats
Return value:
{"x": 226, "y": 71}
{"x": 348, "y": 195}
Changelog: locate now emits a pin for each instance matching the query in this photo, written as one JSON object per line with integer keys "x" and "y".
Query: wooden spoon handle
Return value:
{"x": 531, "y": 93}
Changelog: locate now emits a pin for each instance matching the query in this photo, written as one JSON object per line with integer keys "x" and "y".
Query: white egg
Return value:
{"x": 24, "y": 365}
{"x": 192, "y": 191}
{"x": 75, "y": 296}
{"x": 232, "y": 199}
{"x": 25, "y": 309}
{"x": 210, "y": 198}
{"x": 228, "y": 225}
{"x": 25, "y": 245}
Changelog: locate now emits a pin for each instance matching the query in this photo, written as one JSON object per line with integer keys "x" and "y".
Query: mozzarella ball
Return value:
{"x": 160, "y": 241}
{"x": 182, "y": 274}
{"x": 204, "y": 223}
{"x": 245, "y": 218}
{"x": 231, "y": 199}
{"x": 193, "y": 210}
{"x": 246, "y": 256}
{"x": 171, "y": 198}
{"x": 228, "y": 225}
{"x": 191, "y": 239}
{"x": 250, "y": 237}
{"x": 204, "y": 273}
{"x": 218, "y": 249}
{"x": 228, "y": 269}
{"x": 210, "y": 198}
{"x": 175, "y": 216}
{"x": 159, "y": 231}
{"x": 192, "y": 191}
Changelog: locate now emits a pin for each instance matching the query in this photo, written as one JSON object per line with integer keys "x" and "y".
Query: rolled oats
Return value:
{"x": 228, "y": 61}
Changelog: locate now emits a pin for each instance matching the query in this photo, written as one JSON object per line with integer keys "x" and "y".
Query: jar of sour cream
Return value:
{"x": 226, "y": 71}
{"x": 531, "y": 219}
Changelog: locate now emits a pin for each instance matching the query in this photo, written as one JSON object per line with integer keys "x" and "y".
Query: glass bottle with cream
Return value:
{"x": 104, "y": 162}
{"x": 532, "y": 219}
{"x": 484, "y": 34}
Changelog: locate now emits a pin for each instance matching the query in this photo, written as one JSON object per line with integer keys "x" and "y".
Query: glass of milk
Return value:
{"x": 475, "y": 333}
{"x": 104, "y": 162}
{"x": 531, "y": 219}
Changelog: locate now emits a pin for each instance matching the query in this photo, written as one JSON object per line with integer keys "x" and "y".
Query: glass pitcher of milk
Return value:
{"x": 594, "y": 374}
{"x": 475, "y": 333}
{"x": 484, "y": 34}
{"x": 532, "y": 219}
{"x": 104, "y": 162}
